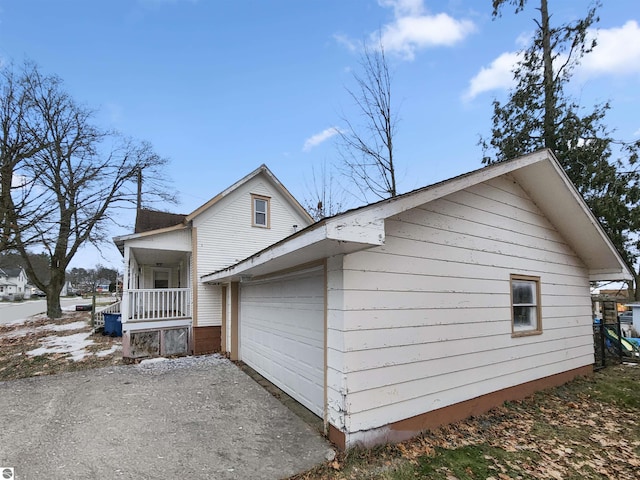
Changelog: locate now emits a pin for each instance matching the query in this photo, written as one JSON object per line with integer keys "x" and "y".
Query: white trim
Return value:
{"x": 154, "y": 325}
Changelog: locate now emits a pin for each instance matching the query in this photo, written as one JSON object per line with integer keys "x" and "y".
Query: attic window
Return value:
{"x": 525, "y": 305}
{"x": 260, "y": 211}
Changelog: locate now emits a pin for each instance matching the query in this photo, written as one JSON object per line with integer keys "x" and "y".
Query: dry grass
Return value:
{"x": 18, "y": 339}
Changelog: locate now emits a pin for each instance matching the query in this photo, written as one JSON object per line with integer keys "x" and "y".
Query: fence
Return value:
{"x": 611, "y": 347}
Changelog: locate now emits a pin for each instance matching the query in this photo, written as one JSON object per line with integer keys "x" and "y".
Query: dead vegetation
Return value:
{"x": 41, "y": 346}
{"x": 587, "y": 429}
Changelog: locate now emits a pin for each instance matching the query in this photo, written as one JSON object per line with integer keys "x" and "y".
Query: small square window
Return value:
{"x": 525, "y": 305}
{"x": 260, "y": 213}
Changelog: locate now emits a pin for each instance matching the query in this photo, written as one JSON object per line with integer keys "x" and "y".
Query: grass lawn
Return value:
{"x": 587, "y": 429}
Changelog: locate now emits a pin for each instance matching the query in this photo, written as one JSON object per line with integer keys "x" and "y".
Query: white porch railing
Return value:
{"x": 157, "y": 304}
{"x": 99, "y": 317}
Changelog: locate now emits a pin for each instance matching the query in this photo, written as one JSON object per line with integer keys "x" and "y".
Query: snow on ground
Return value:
{"x": 104, "y": 353}
{"x": 74, "y": 344}
{"x": 50, "y": 327}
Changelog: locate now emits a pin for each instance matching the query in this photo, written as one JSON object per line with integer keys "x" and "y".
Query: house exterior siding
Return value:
{"x": 424, "y": 321}
{"x": 226, "y": 235}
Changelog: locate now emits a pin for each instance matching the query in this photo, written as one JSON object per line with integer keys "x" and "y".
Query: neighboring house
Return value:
{"x": 166, "y": 309}
{"x": 428, "y": 307}
{"x": 13, "y": 282}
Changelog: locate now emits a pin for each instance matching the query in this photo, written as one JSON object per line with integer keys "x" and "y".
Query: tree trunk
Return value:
{"x": 54, "y": 289}
{"x": 549, "y": 127}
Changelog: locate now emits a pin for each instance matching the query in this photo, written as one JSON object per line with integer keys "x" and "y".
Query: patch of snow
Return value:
{"x": 64, "y": 327}
{"x": 74, "y": 344}
{"x": 49, "y": 327}
{"x": 104, "y": 353}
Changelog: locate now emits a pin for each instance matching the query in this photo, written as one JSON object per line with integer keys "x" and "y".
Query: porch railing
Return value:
{"x": 157, "y": 304}
{"x": 99, "y": 314}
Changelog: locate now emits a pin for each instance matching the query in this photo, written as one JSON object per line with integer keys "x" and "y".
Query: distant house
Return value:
{"x": 421, "y": 309}
{"x": 166, "y": 308}
{"x": 13, "y": 283}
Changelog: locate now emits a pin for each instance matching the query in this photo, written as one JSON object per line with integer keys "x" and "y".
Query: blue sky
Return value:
{"x": 220, "y": 87}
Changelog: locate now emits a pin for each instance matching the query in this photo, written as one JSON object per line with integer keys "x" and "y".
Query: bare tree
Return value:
{"x": 19, "y": 129}
{"x": 367, "y": 148}
{"x": 326, "y": 197}
{"x": 76, "y": 176}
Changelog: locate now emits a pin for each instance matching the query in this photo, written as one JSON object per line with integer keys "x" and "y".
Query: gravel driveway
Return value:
{"x": 196, "y": 418}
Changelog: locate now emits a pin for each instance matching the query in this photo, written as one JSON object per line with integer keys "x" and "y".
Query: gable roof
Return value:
{"x": 262, "y": 169}
{"x": 154, "y": 222}
{"x": 539, "y": 174}
{"x": 11, "y": 272}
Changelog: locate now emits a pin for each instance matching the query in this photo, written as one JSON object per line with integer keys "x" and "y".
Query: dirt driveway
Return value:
{"x": 196, "y": 418}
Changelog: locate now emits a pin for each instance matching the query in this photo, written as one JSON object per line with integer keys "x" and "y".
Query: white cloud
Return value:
{"x": 408, "y": 34}
{"x": 315, "y": 140}
{"x": 413, "y": 29}
{"x": 347, "y": 42}
{"x": 497, "y": 76}
{"x": 18, "y": 181}
{"x": 617, "y": 51}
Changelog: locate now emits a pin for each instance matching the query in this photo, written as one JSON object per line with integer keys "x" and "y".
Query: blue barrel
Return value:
{"x": 112, "y": 324}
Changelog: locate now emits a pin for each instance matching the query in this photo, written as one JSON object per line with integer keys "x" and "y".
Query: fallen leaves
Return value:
{"x": 568, "y": 432}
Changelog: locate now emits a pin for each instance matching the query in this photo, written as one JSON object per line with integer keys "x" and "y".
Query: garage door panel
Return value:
{"x": 282, "y": 334}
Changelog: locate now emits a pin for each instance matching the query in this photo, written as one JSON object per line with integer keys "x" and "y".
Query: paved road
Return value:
{"x": 195, "y": 418}
{"x": 12, "y": 311}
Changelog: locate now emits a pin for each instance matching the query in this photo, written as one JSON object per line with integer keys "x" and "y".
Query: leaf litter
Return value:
{"x": 566, "y": 432}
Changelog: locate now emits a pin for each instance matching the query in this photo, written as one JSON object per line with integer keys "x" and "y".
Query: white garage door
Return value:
{"x": 282, "y": 333}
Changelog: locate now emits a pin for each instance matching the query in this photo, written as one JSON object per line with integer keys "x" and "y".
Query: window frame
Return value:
{"x": 537, "y": 328}
{"x": 254, "y": 212}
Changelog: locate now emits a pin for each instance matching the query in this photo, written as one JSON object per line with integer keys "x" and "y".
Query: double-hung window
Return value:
{"x": 525, "y": 305}
{"x": 260, "y": 211}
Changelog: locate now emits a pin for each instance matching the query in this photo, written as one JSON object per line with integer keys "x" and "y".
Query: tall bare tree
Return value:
{"x": 367, "y": 147}
{"x": 73, "y": 174}
{"x": 19, "y": 129}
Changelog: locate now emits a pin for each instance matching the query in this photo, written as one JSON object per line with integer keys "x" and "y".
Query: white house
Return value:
{"x": 166, "y": 309}
{"x": 426, "y": 308}
{"x": 13, "y": 283}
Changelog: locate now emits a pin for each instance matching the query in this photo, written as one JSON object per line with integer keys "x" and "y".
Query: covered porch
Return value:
{"x": 157, "y": 302}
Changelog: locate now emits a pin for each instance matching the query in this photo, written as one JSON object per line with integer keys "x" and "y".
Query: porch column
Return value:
{"x": 223, "y": 329}
{"x": 124, "y": 305}
{"x": 235, "y": 341}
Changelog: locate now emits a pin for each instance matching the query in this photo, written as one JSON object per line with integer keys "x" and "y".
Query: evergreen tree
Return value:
{"x": 540, "y": 114}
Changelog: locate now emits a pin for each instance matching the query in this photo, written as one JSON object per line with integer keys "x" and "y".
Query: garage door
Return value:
{"x": 282, "y": 333}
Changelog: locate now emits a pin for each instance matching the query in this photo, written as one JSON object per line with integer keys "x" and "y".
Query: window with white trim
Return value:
{"x": 525, "y": 305}
{"x": 260, "y": 211}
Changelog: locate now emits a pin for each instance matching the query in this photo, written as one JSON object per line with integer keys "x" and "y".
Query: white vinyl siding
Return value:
{"x": 225, "y": 236}
{"x": 282, "y": 334}
{"x": 425, "y": 320}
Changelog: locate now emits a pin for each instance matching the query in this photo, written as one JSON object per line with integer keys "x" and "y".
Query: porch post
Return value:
{"x": 223, "y": 327}
{"x": 234, "y": 321}
{"x": 124, "y": 305}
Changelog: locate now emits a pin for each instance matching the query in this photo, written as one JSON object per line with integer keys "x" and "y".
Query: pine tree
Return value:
{"x": 540, "y": 114}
